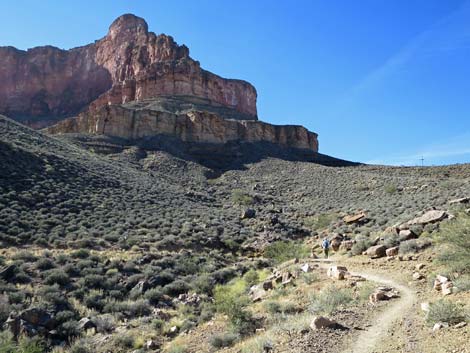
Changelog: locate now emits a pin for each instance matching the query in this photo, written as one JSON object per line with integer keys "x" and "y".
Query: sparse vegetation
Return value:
{"x": 446, "y": 311}
{"x": 282, "y": 251}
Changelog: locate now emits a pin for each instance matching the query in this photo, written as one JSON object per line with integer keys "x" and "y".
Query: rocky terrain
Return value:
{"x": 137, "y": 249}
{"x": 165, "y": 217}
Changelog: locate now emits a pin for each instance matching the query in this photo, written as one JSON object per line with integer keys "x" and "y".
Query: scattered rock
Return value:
{"x": 406, "y": 234}
{"x": 376, "y": 251}
{"x": 460, "y": 200}
{"x": 419, "y": 267}
{"x": 347, "y": 244}
{"x": 7, "y": 272}
{"x": 337, "y": 272}
{"x": 392, "y": 251}
{"x": 417, "y": 276}
{"x": 425, "y": 307}
{"x": 306, "y": 268}
{"x": 320, "y": 322}
{"x": 461, "y": 324}
{"x": 439, "y": 326}
{"x": 268, "y": 285}
{"x": 257, "y": 293}
{"x": 432, "y": 216}
{"x": 152, "y": 344}
{"x": 248, "y": 213}
{"x": 357, "y": 218}
{"x": 443, "y": 284}
{"x": 86, "y": 324}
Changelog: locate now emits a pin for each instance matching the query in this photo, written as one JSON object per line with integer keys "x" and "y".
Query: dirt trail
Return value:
{"x": 397, "y": 309}
{"x": 369, "y": 339}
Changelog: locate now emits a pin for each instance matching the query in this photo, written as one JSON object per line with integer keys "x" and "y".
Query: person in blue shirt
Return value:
{"x": 326, "y": 246}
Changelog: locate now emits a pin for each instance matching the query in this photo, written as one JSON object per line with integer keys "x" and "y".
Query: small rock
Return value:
{"x": 248, "y": 213}
{"x": 419, "y": 267}
{"x": 337, "y": 272}
{"x": 152, "y": 344}
{"x": 319, "y": 322}
{"x": 440, "y": 325}
{"x": 425, "y": 307}
{"x": 417, "y": 276}
{"x": 447, "y": 288}
{"x": 392, "y": 251}
{"x": 461, "y": 324}
{"x": 306, "y": 268}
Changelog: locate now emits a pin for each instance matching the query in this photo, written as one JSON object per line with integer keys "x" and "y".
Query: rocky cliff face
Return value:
{"x": 128, "y": 64}
{"x": 193, "y": 126}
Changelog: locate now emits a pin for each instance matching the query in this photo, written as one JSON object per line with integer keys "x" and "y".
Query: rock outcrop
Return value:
{"x": 194, "y": 126}
{"x": 128, "y": 64}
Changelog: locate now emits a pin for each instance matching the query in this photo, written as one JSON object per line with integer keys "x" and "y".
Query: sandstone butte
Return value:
{"x": 134, "y": 84}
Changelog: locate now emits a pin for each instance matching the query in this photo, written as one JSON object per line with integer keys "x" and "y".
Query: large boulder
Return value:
{"x": 376, "y": 251}
{"x": 431, "y": 216}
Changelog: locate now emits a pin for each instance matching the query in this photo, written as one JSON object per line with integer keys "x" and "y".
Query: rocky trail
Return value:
{"x": 379, "y": 329}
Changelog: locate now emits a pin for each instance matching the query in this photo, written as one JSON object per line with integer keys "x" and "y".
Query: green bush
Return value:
{"x": 232, "y": 301}
{"x": 330, "y": 299}
{"x": 462, "y": 283}
{"x": 251, "y": 277}
{"x": 446, "y": 311}
{"x": 455, "y": 239}
{"x": 223, "y": 340}
{"x": 321, "y": 221}
{"x": 362, "y": 244}
{"x": 282, "y": 251}
{"x": 242, "y": 198}
{"x": 57, "y": 276}
{"x": 409, "y": 246}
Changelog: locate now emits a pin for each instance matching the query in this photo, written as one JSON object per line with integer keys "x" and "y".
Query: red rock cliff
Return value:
{"x": 129, "y": 63}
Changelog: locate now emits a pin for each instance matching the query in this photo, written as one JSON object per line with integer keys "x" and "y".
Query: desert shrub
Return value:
{"x": 232, "y": 301}
{"x": 455, "y": 239}
{"x": 276, "y": 307}
{"x": 177, "y": 348}
{"x": 203, "y": 284}
{"x": 44, "y": 264}
{"x": 25, "y": 256}
{"x": 251, "y": 277}
{"x": 154, "y": 295}
{"x": 409, "y": 246}
{"x": 391, "y": 240}
{"x": 446, "y": 311}
{"x": 321, "y": 221}
{"x": 80, "y": 254}
{"x": 462, "y": 283}
{"x": 4, "y": 309}
{"x": 223, "y": 339}
{"x": 130, "y": 309}
{"x": 362, "y": 244}
{"x": 157, "y": 324}
{"x": 56, "y": 276}
{"x": 241, "y": 198}
{"x": 282, "y": 251}
{"x": 16, "y": 297}
{"x": 330, "y": 299}
{"x": 95, "y": 300}
{"x": 390, "y": 189}
{"x": 175, "y": 288}
{"x": 124, "y": 341}
{"x": 24, "y": 344}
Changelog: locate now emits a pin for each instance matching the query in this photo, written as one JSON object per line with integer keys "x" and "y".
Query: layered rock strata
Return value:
{"x": 193, "y": 126}
{"x": 128, "y": 64}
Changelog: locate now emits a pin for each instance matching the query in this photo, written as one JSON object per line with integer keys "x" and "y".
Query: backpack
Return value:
{"x": 325, "y": 244}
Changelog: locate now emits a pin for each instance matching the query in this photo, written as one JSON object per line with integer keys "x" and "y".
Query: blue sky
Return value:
{"x": 383, "y": 81}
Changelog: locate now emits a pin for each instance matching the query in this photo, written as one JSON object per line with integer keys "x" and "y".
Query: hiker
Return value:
{"x": 326, "y": 246}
